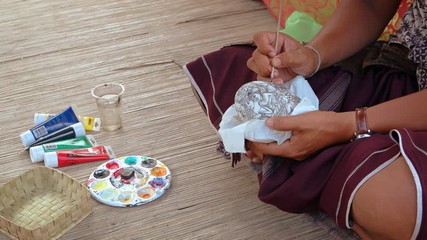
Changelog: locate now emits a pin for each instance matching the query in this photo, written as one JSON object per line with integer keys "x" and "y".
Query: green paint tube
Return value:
{"x": 37, "y": 152}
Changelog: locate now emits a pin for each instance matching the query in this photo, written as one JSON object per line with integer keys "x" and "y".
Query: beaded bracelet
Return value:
{"x": 318, "y": 59}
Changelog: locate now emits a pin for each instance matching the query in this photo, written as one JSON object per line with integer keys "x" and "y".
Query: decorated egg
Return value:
{"x": 262, "y": 100}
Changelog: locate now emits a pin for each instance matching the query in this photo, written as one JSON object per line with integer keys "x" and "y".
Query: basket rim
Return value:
{"x": 85, "y": 197}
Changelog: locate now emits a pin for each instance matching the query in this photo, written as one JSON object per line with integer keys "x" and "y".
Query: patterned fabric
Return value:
{"x": 395, "y": 22}
{"x": 321, "y": 10}
{"x": 413, "y": 34}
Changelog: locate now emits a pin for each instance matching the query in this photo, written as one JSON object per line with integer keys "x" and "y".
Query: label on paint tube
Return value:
{"x": 59, "y": 121}
{"x": 64, "y": 158}
{"x": 78, "y": 142}
{"x": 37, "y": 152}
{"x": 89, "y": 123}
{"x": 72, "y": 131}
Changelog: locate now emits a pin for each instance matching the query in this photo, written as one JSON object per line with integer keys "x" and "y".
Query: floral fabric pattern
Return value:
{"x": 413, "y": 34}
{"x": 321, "y": 10}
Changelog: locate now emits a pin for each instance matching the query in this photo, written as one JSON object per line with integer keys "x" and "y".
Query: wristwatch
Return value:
{"x": 362, "y": 130}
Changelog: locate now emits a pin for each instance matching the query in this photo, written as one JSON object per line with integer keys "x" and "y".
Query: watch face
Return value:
{"x": 362, "y": 135}
{"x": 262, "y": 100}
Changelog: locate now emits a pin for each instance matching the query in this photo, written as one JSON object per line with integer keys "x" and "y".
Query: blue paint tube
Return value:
{"x": 72, "y": 131}
{"x": 59, "y": 121}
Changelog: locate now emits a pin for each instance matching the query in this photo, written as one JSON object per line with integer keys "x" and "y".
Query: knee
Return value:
{"x": 385, "y": 207}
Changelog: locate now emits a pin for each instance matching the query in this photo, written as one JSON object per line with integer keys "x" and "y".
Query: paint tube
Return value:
{"x": 89, "y": 123}
{"x": 36, "y": 152}
{"x": 64, "y": 158}
{"x": 72, "y": 131}
{"x": 59, "y": 121}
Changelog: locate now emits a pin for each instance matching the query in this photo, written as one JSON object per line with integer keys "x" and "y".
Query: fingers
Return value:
{"x": 265, "y": 42}
{"x": 254, "y": 158}
{"x": 286, "y": 149}
{"x": 260, "y": 64}
{"x": 294, "y": 59}
{"x": 302, "y": 61}
{"x": 253, "y": 152}
{"x": 282, "y": 123}
{"x": 257, "y": 151}
{"x": 287, "y": 65}
{"x": 289, "y": 59}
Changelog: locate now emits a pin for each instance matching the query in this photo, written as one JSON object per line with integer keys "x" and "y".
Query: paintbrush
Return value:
{"x": 277, "y": 35}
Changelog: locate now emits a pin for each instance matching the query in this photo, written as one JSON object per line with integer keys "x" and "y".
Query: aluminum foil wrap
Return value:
{"x": 262, "y": 100}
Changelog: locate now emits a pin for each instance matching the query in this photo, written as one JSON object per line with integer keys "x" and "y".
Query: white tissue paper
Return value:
{"x": 233, "y": 130}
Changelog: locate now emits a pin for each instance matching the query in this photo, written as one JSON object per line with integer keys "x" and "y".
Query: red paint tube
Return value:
{"x": 64, "y": 158}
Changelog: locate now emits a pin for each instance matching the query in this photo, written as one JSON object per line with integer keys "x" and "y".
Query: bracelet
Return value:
{"x": 319, "y": 60}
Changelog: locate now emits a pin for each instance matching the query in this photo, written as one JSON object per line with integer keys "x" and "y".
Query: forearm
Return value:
{"x": 404, "y": 112}
{"x": 354, "y": 25}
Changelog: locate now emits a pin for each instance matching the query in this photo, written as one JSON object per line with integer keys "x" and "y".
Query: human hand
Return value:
{"x": 291, "y": 59}
{"x": 311, "y": 132}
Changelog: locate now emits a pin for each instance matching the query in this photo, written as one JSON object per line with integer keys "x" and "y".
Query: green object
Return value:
{"x": 37, "y": 152}
{"x": 301, "y": 26}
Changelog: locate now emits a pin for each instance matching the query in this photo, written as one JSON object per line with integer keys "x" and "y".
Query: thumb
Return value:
{"x": 281, "y": 123}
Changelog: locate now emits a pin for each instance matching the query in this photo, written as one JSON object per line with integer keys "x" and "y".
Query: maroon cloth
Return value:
{"x": 360, "y": 160}
{"x": 228, "y": 71}
{"x": 309, "y": 185}
{"x": 297, "y": 186}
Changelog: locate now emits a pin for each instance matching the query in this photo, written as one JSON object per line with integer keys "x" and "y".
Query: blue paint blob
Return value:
{"x": 131, "y": 160}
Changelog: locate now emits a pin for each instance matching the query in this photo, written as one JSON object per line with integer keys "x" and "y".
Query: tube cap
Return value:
{"x": 41, "y": 117}
{"x": 51, "y": 159}
{"x": 36, "y": 154}
{"x": 79, "y": 129}
{"x": 27, "y": 138}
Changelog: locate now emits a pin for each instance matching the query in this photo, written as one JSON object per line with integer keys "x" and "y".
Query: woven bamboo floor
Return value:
{"x": 53, "y": 52}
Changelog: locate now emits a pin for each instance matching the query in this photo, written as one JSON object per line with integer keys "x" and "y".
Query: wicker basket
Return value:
{"x": 42, "y": 203}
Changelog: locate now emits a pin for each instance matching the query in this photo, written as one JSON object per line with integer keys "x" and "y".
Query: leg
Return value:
{"x": 385, "y": 206}
{"x": 217, "y": 76}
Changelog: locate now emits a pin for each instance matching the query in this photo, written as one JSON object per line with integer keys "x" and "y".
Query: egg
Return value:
{"x": 262, "y": 100}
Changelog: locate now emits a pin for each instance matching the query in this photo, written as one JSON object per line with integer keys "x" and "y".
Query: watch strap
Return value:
{"x": 362, "y": 129}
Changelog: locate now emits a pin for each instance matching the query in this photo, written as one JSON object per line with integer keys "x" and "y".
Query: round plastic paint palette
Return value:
{"x": 129, "y": 181}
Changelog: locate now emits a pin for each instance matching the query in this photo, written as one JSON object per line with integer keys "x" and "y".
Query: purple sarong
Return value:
{"x": 323, "y": 181}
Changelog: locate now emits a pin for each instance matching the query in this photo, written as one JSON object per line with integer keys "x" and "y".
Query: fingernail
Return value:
{"x": 275, "y": 72}
{"x": 276, "y": 62}
{"x": 278, "y": 81}
{"x": 271, "y": 54}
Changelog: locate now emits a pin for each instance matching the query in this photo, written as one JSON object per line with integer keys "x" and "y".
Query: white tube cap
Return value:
{"x": 51, "y": 159}
{"x": 27, "y": 138}
{"x": 79, "y": 129}
{"x": 41, "y": 117}
{"x": 36, "y": 154}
